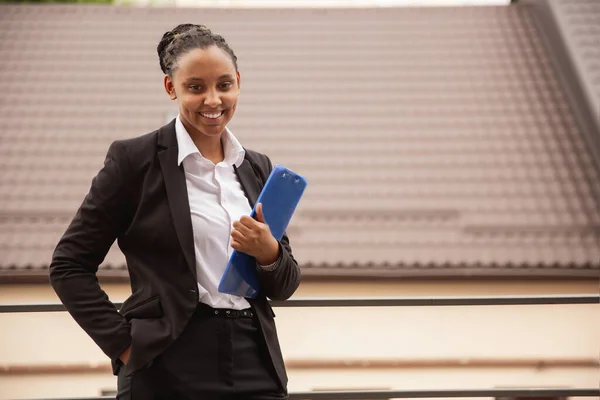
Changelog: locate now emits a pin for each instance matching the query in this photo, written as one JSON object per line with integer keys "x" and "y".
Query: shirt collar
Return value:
{"x": 233, "y": 150}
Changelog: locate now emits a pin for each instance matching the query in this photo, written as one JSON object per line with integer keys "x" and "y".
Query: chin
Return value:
{"x": 210, "y": 130}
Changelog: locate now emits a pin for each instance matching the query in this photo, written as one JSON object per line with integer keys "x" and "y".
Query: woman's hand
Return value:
{"x": 253, "y": 237}
{"x": 125, "y": 356}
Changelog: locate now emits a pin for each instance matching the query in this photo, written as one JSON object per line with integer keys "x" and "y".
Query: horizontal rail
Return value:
{"x": 372, "y": 302}
{"x": 394, "y": 302}
{"x": 440, "y": 301}
{"x": 417, "y": 394}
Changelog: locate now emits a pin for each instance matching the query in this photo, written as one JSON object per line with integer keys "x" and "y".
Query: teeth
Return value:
{"x": 215, "y": 115}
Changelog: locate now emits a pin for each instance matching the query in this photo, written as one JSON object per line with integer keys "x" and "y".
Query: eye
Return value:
{"x": 195, "y": 87}
{"x": 225, "y": 85}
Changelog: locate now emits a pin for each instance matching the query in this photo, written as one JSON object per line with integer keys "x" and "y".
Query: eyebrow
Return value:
{"x": 226, "y": 76}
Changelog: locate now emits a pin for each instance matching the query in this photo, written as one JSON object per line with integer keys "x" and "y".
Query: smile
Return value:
{"x": 212, "y": 115}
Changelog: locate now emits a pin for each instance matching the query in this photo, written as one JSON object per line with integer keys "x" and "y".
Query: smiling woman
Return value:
{"x": 201, "y": 73}
{"x": 178, "y": 200}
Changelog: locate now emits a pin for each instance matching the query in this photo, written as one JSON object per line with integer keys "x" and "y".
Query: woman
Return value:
{"x": 177, "y": 200}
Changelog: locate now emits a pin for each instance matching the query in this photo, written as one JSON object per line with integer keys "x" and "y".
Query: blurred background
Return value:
{"x": 452, "y": 148}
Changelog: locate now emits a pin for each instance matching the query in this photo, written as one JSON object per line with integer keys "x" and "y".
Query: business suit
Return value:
{"x": 140, "y": 198}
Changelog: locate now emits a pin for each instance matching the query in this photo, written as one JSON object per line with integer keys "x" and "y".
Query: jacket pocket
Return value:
{"x": 149, "y": 308}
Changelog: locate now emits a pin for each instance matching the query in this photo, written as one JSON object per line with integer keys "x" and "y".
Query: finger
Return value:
{"x": 259, "y": 213}
{"x": 243, "y": 229}
{"x": 250, "y": 223}
{"x": 237, "y": 236}
{"x": 236, "y": 245}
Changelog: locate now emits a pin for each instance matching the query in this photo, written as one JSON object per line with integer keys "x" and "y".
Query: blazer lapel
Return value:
{"x": 177, "y": 195}
{"x": 248, "y": 180}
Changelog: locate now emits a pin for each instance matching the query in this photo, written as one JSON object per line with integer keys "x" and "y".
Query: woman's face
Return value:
{"x": 206, "y": 86}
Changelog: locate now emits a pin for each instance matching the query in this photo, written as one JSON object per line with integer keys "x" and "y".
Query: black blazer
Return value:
{"x": 140, "y": 198}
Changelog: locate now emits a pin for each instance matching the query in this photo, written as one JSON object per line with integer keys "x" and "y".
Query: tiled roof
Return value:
{"x": 580, "y": 22}
{"x": 435, "y": 140}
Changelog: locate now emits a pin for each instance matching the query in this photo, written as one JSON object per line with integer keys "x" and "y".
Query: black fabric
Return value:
{"x": 215, "y": 357}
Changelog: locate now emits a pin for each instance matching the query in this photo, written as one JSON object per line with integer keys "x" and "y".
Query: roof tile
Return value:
{"x": 434, "y": 140}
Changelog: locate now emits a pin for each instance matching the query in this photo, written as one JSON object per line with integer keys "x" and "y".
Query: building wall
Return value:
{"x": 499, "y": 346}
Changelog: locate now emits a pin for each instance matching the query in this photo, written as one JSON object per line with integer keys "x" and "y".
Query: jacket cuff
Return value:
{"x": 127, "y": 341}
{"x": 271, "y": 267}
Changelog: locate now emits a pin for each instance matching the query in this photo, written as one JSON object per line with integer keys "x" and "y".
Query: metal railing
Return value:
{"x": 418, "y": 394}
{"x": 396, "y": 302}
{"x": 373, "y": 302}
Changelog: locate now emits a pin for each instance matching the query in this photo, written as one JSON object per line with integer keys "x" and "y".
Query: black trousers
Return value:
{"x": 219, "y": 355}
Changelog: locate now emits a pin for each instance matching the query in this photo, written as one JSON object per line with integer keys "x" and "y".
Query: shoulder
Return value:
{"x": 133, "y": 156}
{"x": 140, "y": 152}
{"x": 140, "y": 147}
{"x": 259, "y": 160}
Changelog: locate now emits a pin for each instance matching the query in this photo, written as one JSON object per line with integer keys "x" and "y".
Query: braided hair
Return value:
{"x": 186, "y": 37}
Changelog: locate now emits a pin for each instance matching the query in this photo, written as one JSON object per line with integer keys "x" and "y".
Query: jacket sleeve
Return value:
{"x": 99, "y": 221}
{"x": 281, "y": 282}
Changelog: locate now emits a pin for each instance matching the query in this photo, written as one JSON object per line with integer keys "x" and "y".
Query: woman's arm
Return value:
{"x": 280, "y": 282}
{"x": 99, "y": 221}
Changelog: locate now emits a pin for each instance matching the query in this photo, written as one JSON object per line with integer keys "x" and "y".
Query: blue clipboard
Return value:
{"x": 279, "y": 197}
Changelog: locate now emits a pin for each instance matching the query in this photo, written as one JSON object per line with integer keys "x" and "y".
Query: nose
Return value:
{"x": 212, "y": 99}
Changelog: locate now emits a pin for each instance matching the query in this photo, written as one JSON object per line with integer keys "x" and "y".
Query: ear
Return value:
{"x": 169, "y": 87}
{"x": 238, "y": 81}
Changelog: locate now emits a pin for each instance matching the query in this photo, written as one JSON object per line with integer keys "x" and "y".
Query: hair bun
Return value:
{"x": 191, "y": 34}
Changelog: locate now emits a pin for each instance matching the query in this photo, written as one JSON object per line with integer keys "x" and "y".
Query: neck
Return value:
{"x": 210, "y": 147}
